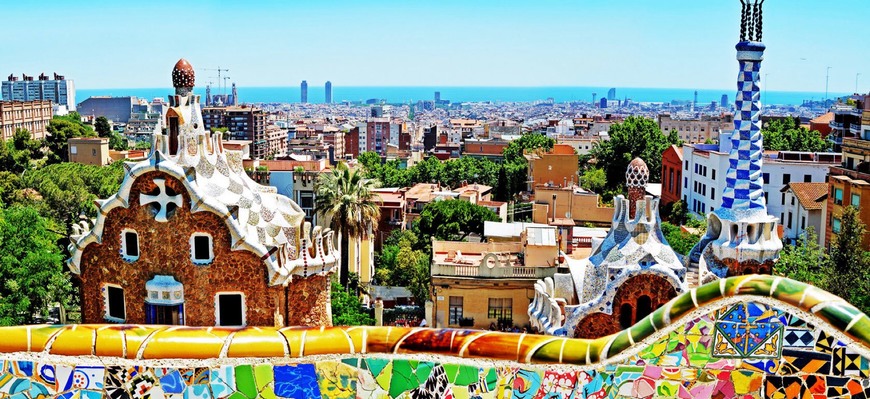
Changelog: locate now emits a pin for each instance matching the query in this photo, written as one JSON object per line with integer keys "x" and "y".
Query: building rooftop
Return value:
{"x": 810, "y": 195}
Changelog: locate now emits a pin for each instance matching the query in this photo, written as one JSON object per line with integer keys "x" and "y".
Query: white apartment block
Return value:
{"x": 705, "y": 166}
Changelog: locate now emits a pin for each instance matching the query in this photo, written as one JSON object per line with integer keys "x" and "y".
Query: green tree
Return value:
{"x": 101, "y": 125}
{"x": 118, "y": 142}
{"x": 635, "y": 137}
{"x": 528, "y": 141}
{"x": 69, "y": 189}
{"x": 805, "y": 261}
{"x": 400, "y": 265}
{"x": 19, "y": 154}
{"x": 788, "y": 135}
{"x": 452, "y": 220}
{"x": 347, "y": 197}
{"x": 346, "y": 308}
{"x": 680, "y": 241}
{"x": 60, "y": 130}
{"x": 677, "y": 212}
{"x": 31, "y": 267}
{"x": 143, "y": 145}
{"x": 850, "y": 262}
{"x": 593, "y": 179}
{"x": 9, "y": 184}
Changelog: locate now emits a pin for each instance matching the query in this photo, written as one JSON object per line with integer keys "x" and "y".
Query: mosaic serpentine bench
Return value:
{"x": 748, "y": 336}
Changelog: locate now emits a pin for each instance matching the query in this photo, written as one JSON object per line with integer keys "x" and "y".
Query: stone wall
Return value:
{"x": 165, "y": 250}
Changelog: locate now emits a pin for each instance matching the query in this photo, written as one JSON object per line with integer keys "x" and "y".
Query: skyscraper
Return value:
{"x": 724, "y": 103}
{"x": 611, "y": 94}
{"x": 304, "y": 92}
{"x": 437, "y": 96}
{"x": 235, "y": 100}
{"x": 328, "y": 92}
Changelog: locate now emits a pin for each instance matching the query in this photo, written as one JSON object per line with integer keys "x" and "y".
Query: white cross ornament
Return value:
{"x": 162, "y": 199}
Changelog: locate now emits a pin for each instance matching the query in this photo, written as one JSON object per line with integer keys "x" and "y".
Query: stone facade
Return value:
{"x": 191, "y": 239}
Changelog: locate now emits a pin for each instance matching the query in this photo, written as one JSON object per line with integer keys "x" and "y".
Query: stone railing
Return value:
{"x": 530, "y": 272}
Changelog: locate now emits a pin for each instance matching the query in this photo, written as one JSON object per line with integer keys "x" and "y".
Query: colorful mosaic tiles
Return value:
{"x": 744, "y": 344}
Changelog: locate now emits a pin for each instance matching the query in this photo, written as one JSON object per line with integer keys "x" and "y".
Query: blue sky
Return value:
{"x": 628, "y": 43}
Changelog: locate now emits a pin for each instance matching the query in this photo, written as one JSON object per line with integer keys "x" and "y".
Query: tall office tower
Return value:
{"x": 304, "y": 92}
{"x": 208, "y": 95}
{"x": 611, "y": 94}
{"x": 437, "y": 96}
{"x": 695, "y": 101}
{"x": 58, "y": 90}
{"x": 724, "y": 103}
{"x": 742, "y": 238}
{"x": 328, "y": 92}
{"x": 235, "y": 95}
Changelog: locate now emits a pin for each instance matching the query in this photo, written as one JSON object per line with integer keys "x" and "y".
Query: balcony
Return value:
{"x": 852, "y": 143}
{"x": 852, "y": 174}
{"x": 855, "y": 128}
{"x": 475, "y": 271}
{"x": 836, "y": 125}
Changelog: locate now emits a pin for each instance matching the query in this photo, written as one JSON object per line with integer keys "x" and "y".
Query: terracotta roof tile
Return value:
{"x": 810, "y": 195}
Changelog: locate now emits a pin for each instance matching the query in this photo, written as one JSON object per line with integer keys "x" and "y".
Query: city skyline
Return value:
{"x": 448, "y": 44}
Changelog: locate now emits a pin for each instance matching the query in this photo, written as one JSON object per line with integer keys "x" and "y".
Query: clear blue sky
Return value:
{"x": 628, "y": 43}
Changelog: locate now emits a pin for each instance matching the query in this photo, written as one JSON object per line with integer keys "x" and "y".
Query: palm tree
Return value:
{"x": 348, "y": 198}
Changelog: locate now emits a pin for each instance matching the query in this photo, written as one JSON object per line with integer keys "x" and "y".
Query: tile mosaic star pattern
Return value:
{"x": 749, "y": 330}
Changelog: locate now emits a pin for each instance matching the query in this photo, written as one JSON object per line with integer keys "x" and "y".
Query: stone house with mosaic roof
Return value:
{"x": 190, "y": 239}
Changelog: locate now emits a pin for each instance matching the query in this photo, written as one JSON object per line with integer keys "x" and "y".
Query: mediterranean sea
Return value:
{"x": 394, "y": 94}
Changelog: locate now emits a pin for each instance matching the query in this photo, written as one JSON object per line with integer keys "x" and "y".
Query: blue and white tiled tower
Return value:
{"x": 742, "y": 237}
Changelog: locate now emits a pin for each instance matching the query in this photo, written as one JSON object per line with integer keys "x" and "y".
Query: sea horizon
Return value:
{"x": 498, "y": 94}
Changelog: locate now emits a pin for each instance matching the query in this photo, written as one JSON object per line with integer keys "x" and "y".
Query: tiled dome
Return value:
{"x": 183, "y": 74}
{"x": 637, "y": 174}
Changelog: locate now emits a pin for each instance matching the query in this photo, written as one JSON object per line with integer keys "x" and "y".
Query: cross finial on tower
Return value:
{"x": 750, "y": 20}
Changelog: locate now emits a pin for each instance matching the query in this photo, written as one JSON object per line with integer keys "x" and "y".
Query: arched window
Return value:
{"x": 644, "y": 307}
{"x": 625, "y": 315}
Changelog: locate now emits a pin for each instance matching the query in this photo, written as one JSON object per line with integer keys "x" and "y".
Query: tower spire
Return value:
{"x": 741, "y": 237}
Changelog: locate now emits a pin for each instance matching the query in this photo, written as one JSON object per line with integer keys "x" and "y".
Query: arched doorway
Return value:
{"x": 639, "y": 296}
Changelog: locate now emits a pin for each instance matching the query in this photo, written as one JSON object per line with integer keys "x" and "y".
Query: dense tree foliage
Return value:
{"x": 635, "y": 137}
{"x": 681, "y": 241}
{"x": 61, "y": 129}
{"x": 788, "y": 135}
{"x": 507, "y": 178}
{"x": 346, "y": 307}
{"x": 20, "y": 153}
{"x": 101, "y": 125}
{"x": 805, "y": 261}
{"x": 32, "y": 274}
{"x": 401, "y": 265}
{"x": 452, "y": 220}
{"x": 593, "y": 179}
{"x": 66, "y": 190}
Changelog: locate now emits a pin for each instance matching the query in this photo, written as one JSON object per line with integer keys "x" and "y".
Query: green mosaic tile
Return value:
{"x": 354, "y": 362}
{"x": 376, "y": 365}
{"x": 245, "y": 382}
{"x": 491, "y": 379}
{"x": 423, "y": 370}
{"x": 263, "y": 375}
{"x": 403, "y": 378}
{"x": 467, "y": 375}
{"x": 451, "y": 370}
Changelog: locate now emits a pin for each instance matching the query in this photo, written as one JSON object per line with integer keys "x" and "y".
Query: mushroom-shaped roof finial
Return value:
{"x": 183, "y": 74}
{"x": 637, "y": 174}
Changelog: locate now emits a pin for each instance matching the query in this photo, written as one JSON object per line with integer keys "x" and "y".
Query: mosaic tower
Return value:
{"x": 741, "y": 237}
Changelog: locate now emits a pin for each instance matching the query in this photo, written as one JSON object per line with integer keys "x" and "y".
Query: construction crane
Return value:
{"x": 219, "y": 71}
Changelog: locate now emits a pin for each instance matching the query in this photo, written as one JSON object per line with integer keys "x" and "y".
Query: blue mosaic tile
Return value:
{"x": 298, "y": 381}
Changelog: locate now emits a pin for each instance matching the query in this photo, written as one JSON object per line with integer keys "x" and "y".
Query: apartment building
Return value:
{"x": 31, "y": 115}
{"x": 58, "y": 89}
{"x": 697, "y": 130}
{"x": 849, "y": 183}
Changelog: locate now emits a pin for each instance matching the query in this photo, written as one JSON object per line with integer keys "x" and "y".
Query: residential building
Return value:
{"x": 58, "y": 90}
{"x": 705, "y": 165}
{"x": 115, "y": 109}
{"x": 822, "y": 124}
{"x": 352, "y": 143}
{"x": 696, "y": 130}
{"x": 804, "y": 208}
{"x": 89, "y": 150}
{"x": 190, "y": 239}
{"x": 393, "y": 213}
{"x": 672, "y": 175}
{"x": 582, "y": 145}
{"x": 849, "y": 182}
{"x": 572, "y": 202}
{"x": 245, "y": 123}
{"x": 377, "y": 135}
{"x": 484, "y": 285}
{"x": 555, "y": 168}
{"x": 31, "y": 115}
{"x": 492, "y": 149}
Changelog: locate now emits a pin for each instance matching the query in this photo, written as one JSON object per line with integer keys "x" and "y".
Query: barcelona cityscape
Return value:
{"x": 338, "y": 199}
